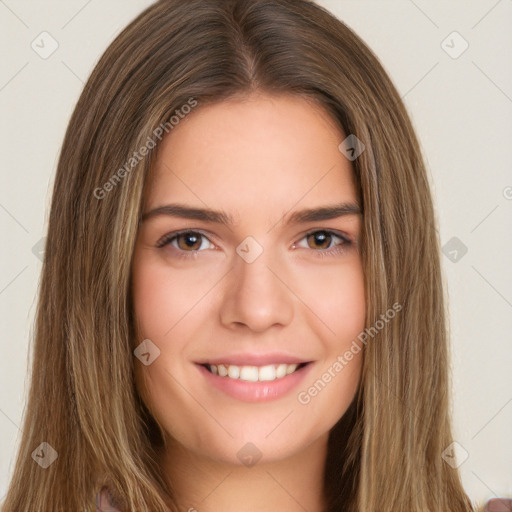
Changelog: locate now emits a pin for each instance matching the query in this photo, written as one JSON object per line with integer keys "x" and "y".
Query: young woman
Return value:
{"x": 241, "y": 303}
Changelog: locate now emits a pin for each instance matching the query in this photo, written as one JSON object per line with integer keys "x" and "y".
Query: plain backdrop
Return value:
{"x": 450, "y": 61}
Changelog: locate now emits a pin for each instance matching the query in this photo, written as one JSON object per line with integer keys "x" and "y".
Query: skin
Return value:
{"x": 259, "y": 159}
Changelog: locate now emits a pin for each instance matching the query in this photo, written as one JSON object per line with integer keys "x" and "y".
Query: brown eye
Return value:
{"x": 186, "y": 241}
{"x": 325, "y": 242}
{"x": 321, "y": 239}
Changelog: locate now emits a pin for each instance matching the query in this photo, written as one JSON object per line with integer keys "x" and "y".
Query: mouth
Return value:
{"x": 255, "y": 382}
{"x": 252, "y": 373}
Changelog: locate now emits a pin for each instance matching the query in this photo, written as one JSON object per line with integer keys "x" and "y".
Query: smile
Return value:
{"x": 250, "y": 383}
{"x": 254, "y": 373}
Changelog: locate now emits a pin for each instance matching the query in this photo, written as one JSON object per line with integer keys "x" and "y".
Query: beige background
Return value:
{"x": 461, "y": 108}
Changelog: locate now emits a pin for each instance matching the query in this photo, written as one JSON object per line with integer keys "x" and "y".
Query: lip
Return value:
{"x": 255, "y": 391}
{"x": 255, "y": 359}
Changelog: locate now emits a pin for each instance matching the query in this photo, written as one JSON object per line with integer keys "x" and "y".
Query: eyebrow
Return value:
{"x": 220, "y": 217}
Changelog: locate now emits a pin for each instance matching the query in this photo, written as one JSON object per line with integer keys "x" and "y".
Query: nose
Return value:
{"x": 256, "y": 295}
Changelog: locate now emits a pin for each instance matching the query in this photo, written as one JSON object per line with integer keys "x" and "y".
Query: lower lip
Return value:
{"x": 256, "y": 391}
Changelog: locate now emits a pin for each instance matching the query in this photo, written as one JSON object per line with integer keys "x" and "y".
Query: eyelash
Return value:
{"x": 321, "y": 253}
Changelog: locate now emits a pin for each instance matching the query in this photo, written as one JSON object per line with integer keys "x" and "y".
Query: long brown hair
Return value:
{"x": 385, "y": 453}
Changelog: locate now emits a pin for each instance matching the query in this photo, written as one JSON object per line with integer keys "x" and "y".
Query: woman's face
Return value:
{"x": 254, "y": 288}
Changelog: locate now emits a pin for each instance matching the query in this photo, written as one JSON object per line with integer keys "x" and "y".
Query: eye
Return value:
{"x": 322, "y": 241}
{"x": 187, "y": 241}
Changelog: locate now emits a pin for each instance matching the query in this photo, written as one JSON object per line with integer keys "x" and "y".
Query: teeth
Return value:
{"x": 233, "y": 372}
{"x": 267, "y": 373}
{"x": 281, "y": 370}
{"x": 291, "y": 369}
{"x": 249, "y": 373}
{"x": 253, "y": 373}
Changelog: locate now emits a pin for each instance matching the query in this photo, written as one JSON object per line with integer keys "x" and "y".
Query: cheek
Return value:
{"x": 336, "y": 296}
{"x": 162, "y": 297}
{"x": 167, "y": 307}
{"x": 159, "y": 303}
{"x": 148, "y": 299}
{"x": 341, "y": 305}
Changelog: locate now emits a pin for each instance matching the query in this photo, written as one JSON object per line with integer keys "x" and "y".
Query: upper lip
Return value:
{"x": 254, "y": 359}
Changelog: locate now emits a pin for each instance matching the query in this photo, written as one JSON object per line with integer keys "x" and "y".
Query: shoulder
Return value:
{"x": 498, "y": 505}
{"x": 104, "y": 502}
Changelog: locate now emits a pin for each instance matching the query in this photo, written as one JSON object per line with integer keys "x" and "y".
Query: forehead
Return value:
{"x": 256, "y": 154}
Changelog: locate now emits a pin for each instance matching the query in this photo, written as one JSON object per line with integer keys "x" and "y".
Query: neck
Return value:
{"x": 203, "y": 484}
